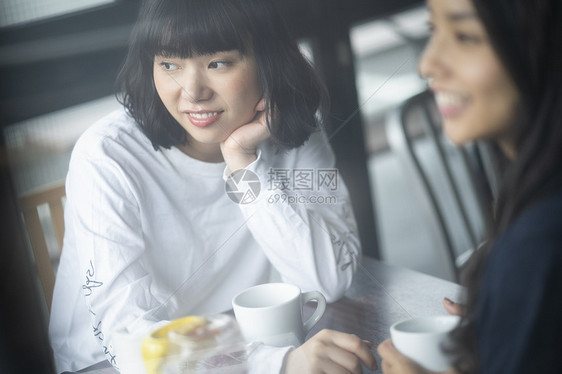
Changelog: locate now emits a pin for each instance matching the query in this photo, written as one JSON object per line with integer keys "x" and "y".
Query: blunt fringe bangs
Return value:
{"x": 197, "y": 27}
{"x": 292, "y": 89}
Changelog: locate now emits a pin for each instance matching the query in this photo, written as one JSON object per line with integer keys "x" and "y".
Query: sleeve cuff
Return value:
{"x": 264, "y": 359}
{"x": 252, "y": 166}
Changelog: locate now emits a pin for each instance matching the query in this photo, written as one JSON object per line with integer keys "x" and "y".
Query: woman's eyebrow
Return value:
{"x": 461, "y": 16}
{"x": 455, "y": 16}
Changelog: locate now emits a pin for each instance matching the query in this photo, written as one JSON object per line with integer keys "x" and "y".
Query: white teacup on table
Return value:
{"x": 423, "y": 339}
{"x": 272, "y": 313}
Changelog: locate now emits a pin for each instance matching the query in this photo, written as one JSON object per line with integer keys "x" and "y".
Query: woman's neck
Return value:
{"x": 202, "y": 152}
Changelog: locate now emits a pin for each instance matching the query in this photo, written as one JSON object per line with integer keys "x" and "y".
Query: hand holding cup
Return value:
{"x": 422, "y": 341}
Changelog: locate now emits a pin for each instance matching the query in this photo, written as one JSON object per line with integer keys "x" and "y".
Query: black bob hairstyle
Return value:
{"x": 291, "y": 87}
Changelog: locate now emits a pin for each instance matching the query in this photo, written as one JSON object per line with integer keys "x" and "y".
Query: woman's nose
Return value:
{"x": 431, "y": 63}
{"x": 195, "y": 88}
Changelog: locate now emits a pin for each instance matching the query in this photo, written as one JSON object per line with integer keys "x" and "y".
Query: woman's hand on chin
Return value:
{"x": 239, "y": 149}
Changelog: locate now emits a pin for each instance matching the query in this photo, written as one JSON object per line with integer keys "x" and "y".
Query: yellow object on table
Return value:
{"x": 157, "y": 346}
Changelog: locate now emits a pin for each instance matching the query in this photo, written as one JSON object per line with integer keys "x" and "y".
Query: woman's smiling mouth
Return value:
{"x": 203, "y": 119}
{"x": 449, "y": 104}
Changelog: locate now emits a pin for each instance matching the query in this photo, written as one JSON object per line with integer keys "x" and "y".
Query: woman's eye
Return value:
{"x": 467, "y": 39}
{"x": 219, "y": 64}
{"x": 168, "y": 66}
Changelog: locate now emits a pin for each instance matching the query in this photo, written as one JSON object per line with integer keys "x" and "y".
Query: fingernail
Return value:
{"x": 370, "y": 344}
{"x": 449, "y": 301}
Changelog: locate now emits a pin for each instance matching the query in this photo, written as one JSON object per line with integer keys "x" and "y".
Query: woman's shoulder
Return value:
{"x": 542, "y": 218}
{"x": 521, "y": 287}
{"x": 536, "y": 235}
{"x": 525, "y": 261}
{"x": 116, "y": 130}
{"x": 315, "y": 151}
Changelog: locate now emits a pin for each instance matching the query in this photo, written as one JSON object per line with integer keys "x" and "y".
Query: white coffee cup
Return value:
{"x": 272, "y": 313}
{"x": 422, "y": 339}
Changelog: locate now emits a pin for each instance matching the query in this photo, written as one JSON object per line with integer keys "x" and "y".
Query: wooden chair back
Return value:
{"x": 29, "y": 203}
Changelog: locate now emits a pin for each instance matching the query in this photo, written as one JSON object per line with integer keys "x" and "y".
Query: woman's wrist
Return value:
{"x": 239, "y": 161}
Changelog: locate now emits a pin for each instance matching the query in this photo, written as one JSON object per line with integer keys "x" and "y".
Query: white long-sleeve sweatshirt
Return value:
{"x": 151, "y": 236}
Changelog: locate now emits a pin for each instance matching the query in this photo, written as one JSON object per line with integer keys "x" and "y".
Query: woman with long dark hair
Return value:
{"x": 214, "y": 177}
{"x": 494, "y": 66}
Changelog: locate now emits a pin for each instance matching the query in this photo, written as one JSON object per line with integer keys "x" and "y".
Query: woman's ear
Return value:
{"x": 260, "y": 107}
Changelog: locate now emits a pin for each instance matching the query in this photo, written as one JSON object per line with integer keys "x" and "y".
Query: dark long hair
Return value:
{"x": 526, "y": 36}
{"x": 293, "y": 92}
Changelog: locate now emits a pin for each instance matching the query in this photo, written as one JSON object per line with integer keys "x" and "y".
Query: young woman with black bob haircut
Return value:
{"x": 290, "y": 85}
{"x": 209, "y": 87}
{"x": 494, "y": 67}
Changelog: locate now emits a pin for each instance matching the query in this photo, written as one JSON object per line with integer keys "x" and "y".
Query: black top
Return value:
{"x": 520, "y": 304}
